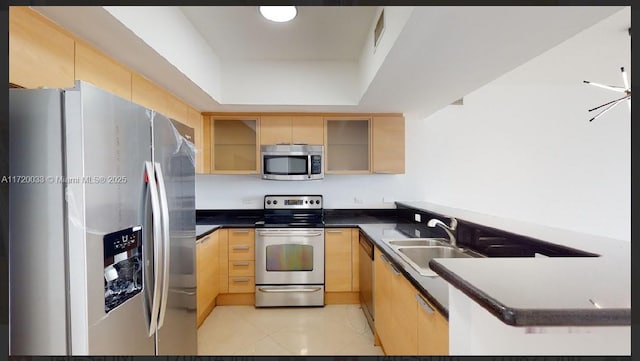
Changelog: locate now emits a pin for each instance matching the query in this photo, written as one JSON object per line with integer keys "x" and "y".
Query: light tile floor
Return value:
{"x": 246, "y": 330}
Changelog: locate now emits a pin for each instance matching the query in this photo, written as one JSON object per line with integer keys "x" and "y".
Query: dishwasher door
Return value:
{"x": 366, "y": 279}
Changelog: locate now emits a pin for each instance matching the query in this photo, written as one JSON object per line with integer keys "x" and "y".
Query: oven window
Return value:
{"x": 285, "y": 165}
{"x": 290, "y": 257}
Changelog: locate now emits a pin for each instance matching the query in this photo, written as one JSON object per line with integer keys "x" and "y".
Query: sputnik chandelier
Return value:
{"x": 610, "y": 105}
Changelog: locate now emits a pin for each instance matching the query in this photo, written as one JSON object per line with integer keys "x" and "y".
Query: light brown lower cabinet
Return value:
{"x": 405, "y": 323}
{"x": 207, "y": 261}
{"x": 433, "y": 329}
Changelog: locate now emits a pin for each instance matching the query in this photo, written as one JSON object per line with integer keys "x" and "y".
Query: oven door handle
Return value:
{"x": 287, "y": 290}
{"x": 289, "y": 234}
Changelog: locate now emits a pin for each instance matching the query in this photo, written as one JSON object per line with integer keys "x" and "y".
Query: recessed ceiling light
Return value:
{"x": 279, "y": 14}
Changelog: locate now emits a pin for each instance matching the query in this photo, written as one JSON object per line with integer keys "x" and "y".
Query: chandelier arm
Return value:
{"x": 610, "y": 87}
{"x": 613, "y": 101}
{"x": 607, "y": 109}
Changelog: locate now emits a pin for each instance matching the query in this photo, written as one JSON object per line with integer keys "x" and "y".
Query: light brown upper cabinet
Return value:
{"x": 291, "y": 129}
{"x": 195, "y": 121}
{"x": 234, "y": 145}
{"x": 99, "y": 70}
{"x": 388, "y": 144}
{"x": 347, "y": 145}
{"x": 39, "y": 54}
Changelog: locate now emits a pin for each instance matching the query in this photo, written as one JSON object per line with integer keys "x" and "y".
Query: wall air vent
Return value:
{"x": 379, "y": 29}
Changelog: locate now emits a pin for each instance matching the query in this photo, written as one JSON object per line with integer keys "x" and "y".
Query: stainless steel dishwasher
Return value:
{"x": 366, "y": 279}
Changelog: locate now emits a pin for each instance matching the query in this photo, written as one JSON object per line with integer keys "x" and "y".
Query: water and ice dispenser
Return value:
{"x": 122, "y": 266}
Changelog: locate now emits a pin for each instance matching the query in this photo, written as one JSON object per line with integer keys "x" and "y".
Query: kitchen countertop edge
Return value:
{"x": 534, "y": 317}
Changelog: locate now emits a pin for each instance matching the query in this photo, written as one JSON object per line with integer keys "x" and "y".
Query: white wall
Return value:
{"x": 167, "y": 31}
{"x": 290, "y": 82}
{"x": 520, "y": 147}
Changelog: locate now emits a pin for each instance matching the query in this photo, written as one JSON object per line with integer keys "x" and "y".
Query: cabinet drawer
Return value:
{"x": 242, "y": 284}
{"x": 241, "y": 245}
{"x": 241, "y": 235}
{"x": 241, "y": 268}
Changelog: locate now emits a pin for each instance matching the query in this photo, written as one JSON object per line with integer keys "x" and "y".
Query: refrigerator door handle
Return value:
{"x": 157, "y": 250}
{"x": 166, "y": 236}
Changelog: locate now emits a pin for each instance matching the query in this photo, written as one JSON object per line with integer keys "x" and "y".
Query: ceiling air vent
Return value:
{"x": 377, "y": 32}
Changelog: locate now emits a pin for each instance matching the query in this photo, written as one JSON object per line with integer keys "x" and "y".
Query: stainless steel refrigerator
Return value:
{"x": 102, "y": 226}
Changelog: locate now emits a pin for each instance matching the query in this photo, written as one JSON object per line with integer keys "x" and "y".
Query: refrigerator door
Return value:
{"x": 177, "y": 332}
{"x": 37, "y": 261}
{"x": 108, "y": 140}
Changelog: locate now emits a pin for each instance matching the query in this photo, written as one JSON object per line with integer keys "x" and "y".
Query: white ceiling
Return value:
{"x": 317, "y": 32}
{"x": 432, "y": 57}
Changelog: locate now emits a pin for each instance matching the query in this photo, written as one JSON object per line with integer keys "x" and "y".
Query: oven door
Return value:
{"x": 290, "y": 256}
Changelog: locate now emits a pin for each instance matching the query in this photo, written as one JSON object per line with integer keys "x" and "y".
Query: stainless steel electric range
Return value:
{"x": 290, "y": 252}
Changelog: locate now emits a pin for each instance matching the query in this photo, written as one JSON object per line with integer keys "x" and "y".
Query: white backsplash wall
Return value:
{"x": 339, "y": 191}
{"x": 521, "y": 147}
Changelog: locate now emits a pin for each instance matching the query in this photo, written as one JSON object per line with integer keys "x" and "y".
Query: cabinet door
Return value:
{"x": 355, "y": 260}
{"x": 388, "y": 144}
{"x": 204, "y": 279}
{"x": 307, "y": 129}
{"x": 404, "y": 327}
{"x": 433, "y": 330}
{"x": 214, "y": 265}
{"x": 337, "y": 249}
{"x": 101, "y": 71}
{"x": 234, "y": 147}
{"x": 275, "y": 129}
{"x": 223, "y": 260}
{"x": 39, "y": 54}
{"x": 382, "y": 276}
{"x": 347, "y": 146}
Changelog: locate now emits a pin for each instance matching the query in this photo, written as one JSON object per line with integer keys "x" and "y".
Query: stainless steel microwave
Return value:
{"x": 292, "y": 161}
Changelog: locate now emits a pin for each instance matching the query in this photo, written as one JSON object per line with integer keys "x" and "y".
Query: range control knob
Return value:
{"x": 275, "y": 202}
{"x": 268, "y": 202}
{"x": 317, "y": 201}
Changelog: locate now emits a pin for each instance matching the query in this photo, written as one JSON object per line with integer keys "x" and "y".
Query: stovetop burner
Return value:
{"x": 300, "y": 211}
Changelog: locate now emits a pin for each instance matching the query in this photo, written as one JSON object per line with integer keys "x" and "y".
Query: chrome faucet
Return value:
{"x": 449, "y": 229}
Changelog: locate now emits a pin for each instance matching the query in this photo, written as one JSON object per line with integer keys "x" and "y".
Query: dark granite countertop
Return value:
{"x": 204, "y": 229}
{"x": 543, "y": 291}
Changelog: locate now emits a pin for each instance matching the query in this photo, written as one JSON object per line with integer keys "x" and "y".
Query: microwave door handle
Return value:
{"x": 309, "y": 165}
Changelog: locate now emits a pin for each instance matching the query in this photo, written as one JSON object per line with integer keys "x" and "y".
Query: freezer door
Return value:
{"x": 177, "y": 332}
{"x": 37, "y": 307}
{"x": 107, "y": 141}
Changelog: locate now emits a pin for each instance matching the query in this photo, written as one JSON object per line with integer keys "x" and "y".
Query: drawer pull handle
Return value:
{"x": 391, "y": 266}
{"x": 288, "y": 290}
{"x": 240, "y": 279}
{"x": 240, "y": 263}
{"x": 334, "y": 231}
{"x": 425, "y": 306}
{"x": 240, "y": 248}
{"x": 241, "y": 231}
{"x": 394, "y": 269}
{"x": 203, "y": 240}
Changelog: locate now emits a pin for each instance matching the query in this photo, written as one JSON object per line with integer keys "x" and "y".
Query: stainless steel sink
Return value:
{"x": 419, "y": 242}
{"x": 419, "y": 257}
